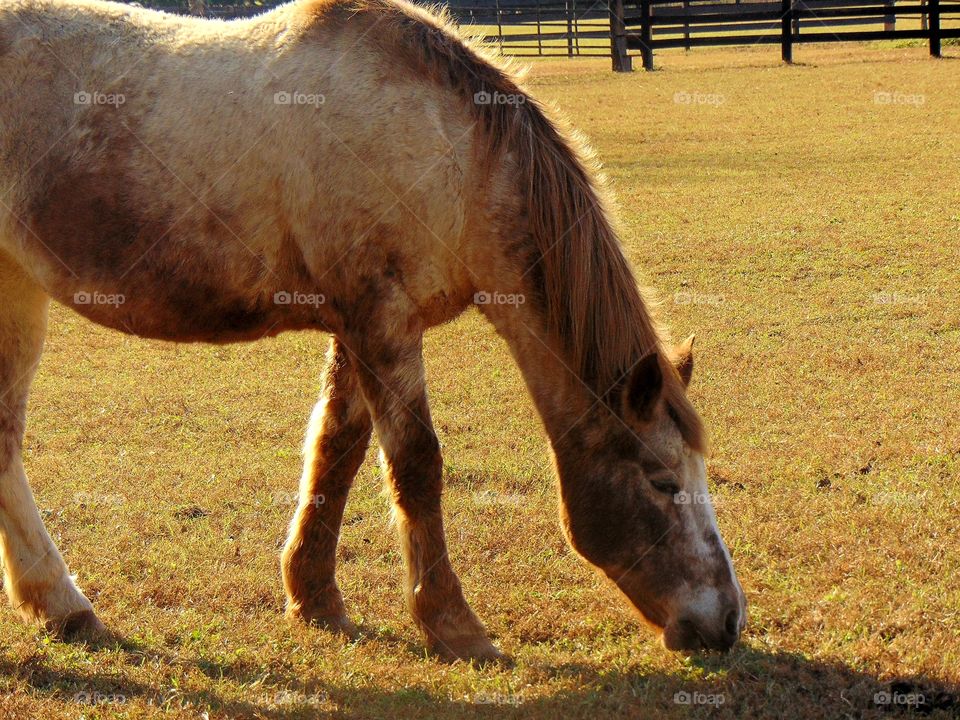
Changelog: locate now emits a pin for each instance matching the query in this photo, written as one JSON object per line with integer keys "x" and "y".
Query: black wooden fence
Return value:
{"x": 649, "y": 25}
{"x": 543, "y": 28}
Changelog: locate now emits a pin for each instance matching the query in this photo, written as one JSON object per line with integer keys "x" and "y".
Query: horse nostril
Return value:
{"x": 732, "y": 624}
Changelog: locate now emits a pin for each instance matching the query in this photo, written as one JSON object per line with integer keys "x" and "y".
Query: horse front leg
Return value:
{"x": 35, "y": 576}
{"x": 392, "y": 378}
{"x": 336, "y": 444}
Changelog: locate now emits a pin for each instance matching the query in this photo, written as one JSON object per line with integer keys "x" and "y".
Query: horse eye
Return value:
{"x": 665, "y": 485}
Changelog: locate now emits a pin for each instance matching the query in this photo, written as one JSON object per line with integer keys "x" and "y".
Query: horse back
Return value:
{"x": 221, "y": 181}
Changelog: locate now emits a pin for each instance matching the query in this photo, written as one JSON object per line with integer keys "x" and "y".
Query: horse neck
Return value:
{"x": 562, "y": 398}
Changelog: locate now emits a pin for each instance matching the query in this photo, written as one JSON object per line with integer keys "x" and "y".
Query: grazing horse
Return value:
{"x": 353, "y": 167}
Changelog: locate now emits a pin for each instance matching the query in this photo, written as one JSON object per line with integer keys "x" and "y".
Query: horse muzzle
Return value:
{"x": 714, "y": 628}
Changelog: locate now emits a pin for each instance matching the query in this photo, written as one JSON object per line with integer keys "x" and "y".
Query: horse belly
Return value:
{"x": 181, "y": 313}
{"x": 185, "y": 279}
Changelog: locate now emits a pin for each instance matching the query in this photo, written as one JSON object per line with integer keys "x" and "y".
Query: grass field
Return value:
{"x": 803, "y": 221}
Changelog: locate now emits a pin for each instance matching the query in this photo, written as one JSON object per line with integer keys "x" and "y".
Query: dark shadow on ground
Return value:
{"x": 749, "y": 683}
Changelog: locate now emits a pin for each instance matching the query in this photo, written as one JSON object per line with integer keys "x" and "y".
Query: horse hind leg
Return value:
{"x": 35, "y": 576}
{"x": 337, "y": 441}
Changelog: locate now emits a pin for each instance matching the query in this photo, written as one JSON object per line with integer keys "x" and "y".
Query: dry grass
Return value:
{"x": 806, "y": 233}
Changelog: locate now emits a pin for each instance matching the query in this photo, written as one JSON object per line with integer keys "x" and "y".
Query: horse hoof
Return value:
{"x": 80, "y": 625}
{"x": 338, "y": 624}
{"x": 477, "y": 650}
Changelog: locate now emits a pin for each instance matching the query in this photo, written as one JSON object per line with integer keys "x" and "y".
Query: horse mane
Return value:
{"x": 589, "y": 295}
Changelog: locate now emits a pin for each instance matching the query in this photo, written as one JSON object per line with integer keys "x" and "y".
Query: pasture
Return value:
{"x": 803, "y": 221}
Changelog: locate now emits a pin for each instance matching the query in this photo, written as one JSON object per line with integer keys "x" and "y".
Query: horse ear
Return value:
{"x": 644, "y": 389}
{"x": 683, "y": 359}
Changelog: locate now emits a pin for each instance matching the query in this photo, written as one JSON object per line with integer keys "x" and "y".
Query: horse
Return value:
{"x": 358, "y": 168}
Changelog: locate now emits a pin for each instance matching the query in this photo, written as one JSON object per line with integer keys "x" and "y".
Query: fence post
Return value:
{"x": 686, "y": 23}
{"x": 934, "y": 28}
{"x": 646, "y": 34}
{"x": 539, "y": 32}
{"x": 889, "y": 20}
{"x": 499, "y": 27}
{"x": 618, "y": 38}
{"x": 786, "y": 37}
{"x": 576, "y": 28}
{"x": 566, "y": 5}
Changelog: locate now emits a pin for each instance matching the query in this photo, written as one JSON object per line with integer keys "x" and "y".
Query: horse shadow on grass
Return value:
{"x": 748, "y": 683}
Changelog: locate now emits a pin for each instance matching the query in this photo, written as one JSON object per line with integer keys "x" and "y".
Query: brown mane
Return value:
{"x": 590, "y": 297}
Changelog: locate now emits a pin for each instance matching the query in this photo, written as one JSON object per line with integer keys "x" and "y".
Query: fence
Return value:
{"x": 521, "y": 28}
{"x": 652, "y": 24}
{"x": 543, "y": 28}
{"x": 223, "y": 11}
{"x": 615, "y": 28}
